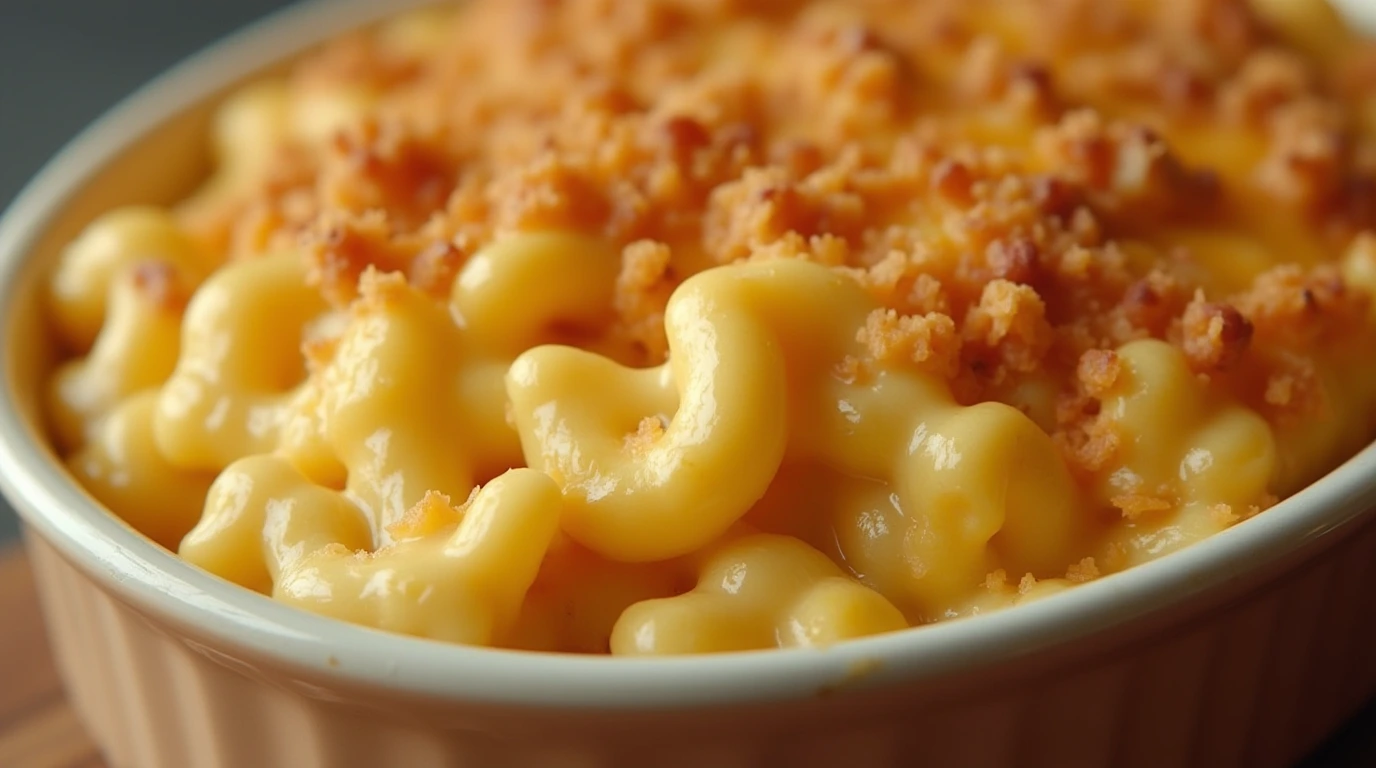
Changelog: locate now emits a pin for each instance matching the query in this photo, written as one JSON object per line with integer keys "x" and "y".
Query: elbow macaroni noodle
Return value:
{"x": 711, "y": 376}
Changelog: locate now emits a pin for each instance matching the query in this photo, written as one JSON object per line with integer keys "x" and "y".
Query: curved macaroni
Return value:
{"x": 122, "y": 467}
{"x": 575, "y": 602}
{"x": 695, "y": 475}
{"x": 510, "y": 294}
{"x": 81, "y": 285}
{"x": 736, "y": 330}
{"x": 757, "y": 591}
{"x": 135, "y": 351}
{"x": 389, "y": 408}
{"x": 1187, "y": 462}
{"x": 961, "y": 475}
{"x": 462, "y": 584}
{"x": 262, "y": 515}
{"x": 240, "y": 360}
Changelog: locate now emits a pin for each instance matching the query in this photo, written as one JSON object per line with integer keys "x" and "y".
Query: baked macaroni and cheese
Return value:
{"x": 678, "y": 326}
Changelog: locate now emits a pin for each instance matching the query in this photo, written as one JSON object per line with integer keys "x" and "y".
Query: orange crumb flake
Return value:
{"x": 386, "y": 166}
{"x": 1084, "y": 570}
{"x": 434, "y": 269}
{"x": 1293, "y": 389}
{"x": 1088, "y": 445}
{"x": 996, "y": 581}
{"x": 930, "y": 341}
{"x": 343, "y": 249}
{"x": 1115, "y": 558}
{"x": 1214, "y": 335}
{"x": 1010, "y": 319}
{"x": 650, "y": 429}
{"x": 319, "y": 352}
{"x": 1098, "y": 371}
{"x": 1223, "y": 515}
{"x": 258, "y": 229}
{"x": 1134, "y": 505}
{"x": 161, "y": 285}
{"x": 643, "y": 288}
{"x": 1012, "y": 181}
{"x": 1152, "y": 302}
{"x": 1124, "y": 165}
{"x": 432, "y": 514}
{"x": 1293, "y": 308}
{"x": 378, "y": 290}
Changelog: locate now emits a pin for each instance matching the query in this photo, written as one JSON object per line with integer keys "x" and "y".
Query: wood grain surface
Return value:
{"x": 39, "y": 730}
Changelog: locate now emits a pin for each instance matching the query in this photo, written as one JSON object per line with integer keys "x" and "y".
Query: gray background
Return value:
{"x": 63, "y": 62}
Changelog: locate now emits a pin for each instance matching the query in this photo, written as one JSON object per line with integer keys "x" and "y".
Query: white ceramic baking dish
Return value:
{"x": 1244, "y": 650}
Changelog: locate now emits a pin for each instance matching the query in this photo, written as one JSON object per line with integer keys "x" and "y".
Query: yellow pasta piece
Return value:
{"x": 1313, "y": 26}
{"x": 465, "y": 585}
{"x": 1359, "y": 264}
{"x": 984, "y": 482}
{"x": 510, "y": 294}
{"x": 1188, "y": 463}
{"x": 239, "y": 364}
{"x": 261, "y": 515}
{"x": 410, "y": 399}
{"x": 303, "y": 441}
{"x": 578, "y": 597}
{"x": 723, "y": 431}
{"x": 123, "y": 469}
{"x": 873, "y": 260}
{"x": 757, "y": 591}
{"x": 960, "y": 476}
{"x": 318, "y": 114}
{"x": 81, "y": 284}
{"x": 247, "y": 130}
{"x": 390, "y": 407}
{"x": 249, "y": 126}
{"x": 136, "y": 351}
{"x": 417, "y": 33}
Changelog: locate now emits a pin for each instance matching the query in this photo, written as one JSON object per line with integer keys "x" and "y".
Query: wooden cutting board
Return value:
{"x": 38, "y": 730}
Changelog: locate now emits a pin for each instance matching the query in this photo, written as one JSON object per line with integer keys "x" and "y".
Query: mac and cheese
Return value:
{"x": 685, "y": 326}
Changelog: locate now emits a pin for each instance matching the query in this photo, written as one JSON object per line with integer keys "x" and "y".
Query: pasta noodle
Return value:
{"x": 673, "y": 327}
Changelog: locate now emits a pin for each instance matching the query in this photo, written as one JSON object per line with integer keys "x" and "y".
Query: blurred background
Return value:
{"x": 64, "y": 62}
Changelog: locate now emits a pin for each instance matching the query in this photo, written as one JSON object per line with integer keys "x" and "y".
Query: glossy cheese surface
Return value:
{"x": 688, "y": 326}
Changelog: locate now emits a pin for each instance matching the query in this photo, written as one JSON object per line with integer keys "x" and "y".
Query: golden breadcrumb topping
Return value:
{"x": 1024, "y": 186}
{"x": 1022, "y": 183}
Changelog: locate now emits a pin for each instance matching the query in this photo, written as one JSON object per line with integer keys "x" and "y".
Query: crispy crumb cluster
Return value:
{"x": 1023, "y": 185}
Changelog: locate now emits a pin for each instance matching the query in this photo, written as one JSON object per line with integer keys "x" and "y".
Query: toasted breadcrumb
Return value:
{"x": 1022, "y": 186}
{"x": 1026, "y": 188}
{"x": 642, "y": 291}
{"x": 649, "y": 430}
{"x": 929, "y": 341}
{"x": 1223, "y": 515}
{"x": 1082, "y": 571}
{"x": 1098, "y": 371}
{"x": 1215, "y": 335}
{"x": 996, "y": 581}
{"x": 161, "y": 285}
{"x": 1010, "y": 319}
{"x": 433, "y": 513}
{"x": 1134, "y": 506}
